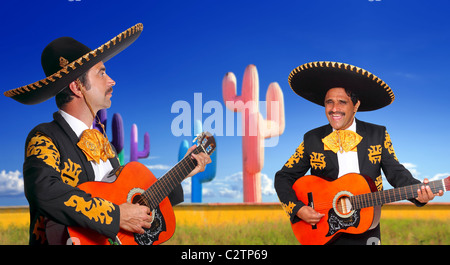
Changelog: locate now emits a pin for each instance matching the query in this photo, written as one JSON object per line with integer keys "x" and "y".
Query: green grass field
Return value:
{"x": 394, "y": 232}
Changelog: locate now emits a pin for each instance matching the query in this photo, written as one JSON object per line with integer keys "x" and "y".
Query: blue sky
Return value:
{"x": 187, "y": 47}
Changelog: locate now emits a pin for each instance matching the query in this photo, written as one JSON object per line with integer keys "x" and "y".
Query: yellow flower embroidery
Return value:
{"x": 70, "y": 173}
{"x": 318, "y": 160}
{"x": 39, "y": 229}
{"x": 43, "y": 147}
{"x": 388, "y": 145}
{"x": 288, "y": 208}
{"x": 375, "y": 153}
{"x": 96, "y": 209}
{"x": 295, "y": 158}
{"x": 379, "y": 183}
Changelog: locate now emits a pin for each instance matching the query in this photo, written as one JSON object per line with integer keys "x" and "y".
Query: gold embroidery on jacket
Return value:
{"x": 43, "y": 147}
{"x": 96, "y": 209}
{"x": 70, "y": 173}
{"x": 39, "y": 229}
{"x": 375, "y": 153}
{"x": 388, "y": 145}
{"x": 379, "y": 183}
{"x": 317, "y": 160}
{"x": 288, "y": 208}
{"x": 295, "y": 158}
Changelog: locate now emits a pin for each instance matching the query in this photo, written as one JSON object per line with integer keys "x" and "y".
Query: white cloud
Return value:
{"x": 413, "y": 169}
{"x": 267, "y": 187}
{"x": 11, "y": 183}
{"x": 231, "y": 187}
{"x": 418, "y": 175}
{"x": 224, "y": 186}
{"x": 158, "y": 167}
{"x": 440, "y": 176}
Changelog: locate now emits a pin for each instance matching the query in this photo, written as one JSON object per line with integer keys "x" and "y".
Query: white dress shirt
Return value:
{"x": 348, "y": 161}
{"x": 102, "y": 169}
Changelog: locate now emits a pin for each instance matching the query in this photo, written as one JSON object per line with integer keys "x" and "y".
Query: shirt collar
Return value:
{"x": 75, "y": 124}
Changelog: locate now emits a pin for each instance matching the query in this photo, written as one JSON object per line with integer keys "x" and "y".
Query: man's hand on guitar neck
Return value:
{"x": 202, "y": 160}
{"x": 134, "y": 217}
{"x": 309, "y": 215}
{"x": 424, "y": 194}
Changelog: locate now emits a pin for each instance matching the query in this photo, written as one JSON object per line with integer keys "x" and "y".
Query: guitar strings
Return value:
{"x": 183, "y": 167}
{"x": 365, "y": 200}
{"x": 158, "y": 195}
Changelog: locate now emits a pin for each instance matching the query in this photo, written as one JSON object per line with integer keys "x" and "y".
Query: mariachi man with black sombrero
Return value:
{"x": 66, "y": 152}
{"x": 346, "y": 144}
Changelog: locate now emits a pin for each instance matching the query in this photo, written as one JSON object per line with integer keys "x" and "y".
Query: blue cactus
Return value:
{"x": 202, "y": 177}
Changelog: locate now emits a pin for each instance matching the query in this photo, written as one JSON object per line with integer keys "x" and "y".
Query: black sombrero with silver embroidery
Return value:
{"x": 65, "y": 59}
{"x": 312, "y": 81}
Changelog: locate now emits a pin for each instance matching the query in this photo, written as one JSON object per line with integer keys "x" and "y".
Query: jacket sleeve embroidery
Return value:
{"x": 388, "y": 145}
{"x": 70, "y": 173}
{"x": 39, "y": 230}
{"x": 288, "y": 207}
{"x": 295, "y": 158}
{"x": 96, "y": 209}
{"x": 43, "y": 147}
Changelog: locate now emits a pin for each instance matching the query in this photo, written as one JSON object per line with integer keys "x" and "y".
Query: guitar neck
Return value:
{"x": 398, "y": 194}
{"x": 169, "y": 181}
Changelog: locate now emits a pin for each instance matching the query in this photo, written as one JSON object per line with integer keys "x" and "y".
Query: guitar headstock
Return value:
{"x": 206, "y": 141}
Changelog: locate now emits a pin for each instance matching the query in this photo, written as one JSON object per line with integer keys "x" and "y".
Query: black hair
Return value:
{"x": 66, "y": 95}
{"x": 352, "y": 96}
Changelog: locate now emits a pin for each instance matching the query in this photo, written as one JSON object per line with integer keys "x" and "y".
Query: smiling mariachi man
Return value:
{"x": 346, "y": 144}
{"x": 67, "y": 152}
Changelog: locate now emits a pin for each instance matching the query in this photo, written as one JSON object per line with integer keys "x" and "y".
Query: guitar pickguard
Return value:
{"x": 152, "y": 234}
{"x": 337, "y": 223}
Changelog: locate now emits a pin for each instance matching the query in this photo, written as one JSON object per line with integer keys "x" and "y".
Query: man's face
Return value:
{"x": 339, "y": 108}
{"x": 99, "y": 88}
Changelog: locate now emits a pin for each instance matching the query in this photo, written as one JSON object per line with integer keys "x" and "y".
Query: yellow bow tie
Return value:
{"x": 342, "y": 141}
{"x": 95, "y": 146}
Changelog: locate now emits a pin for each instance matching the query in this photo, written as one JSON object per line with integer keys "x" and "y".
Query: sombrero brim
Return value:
{"x": 312, "y": 81}
{"x": 47, "y": 88}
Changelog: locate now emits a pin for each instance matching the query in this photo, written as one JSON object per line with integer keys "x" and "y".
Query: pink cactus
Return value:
{"x": 255, "y": 128}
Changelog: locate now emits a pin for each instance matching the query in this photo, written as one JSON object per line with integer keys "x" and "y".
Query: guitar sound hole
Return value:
{"x": 137, "y": 199}
{"x": 342, "y": 204}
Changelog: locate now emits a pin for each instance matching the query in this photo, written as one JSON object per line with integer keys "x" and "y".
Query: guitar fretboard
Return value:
{"x": 169, "y": 181}
{"x": 393, "y": 195}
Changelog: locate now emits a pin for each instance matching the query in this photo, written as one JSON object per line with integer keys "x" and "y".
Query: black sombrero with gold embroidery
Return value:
{"x": 312, "y": 81}
{"x": 65, "y": 59}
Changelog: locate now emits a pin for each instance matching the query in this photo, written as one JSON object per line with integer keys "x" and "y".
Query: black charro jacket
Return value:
{"x": 54, "y": 166}
{"x": 375, "y": 153}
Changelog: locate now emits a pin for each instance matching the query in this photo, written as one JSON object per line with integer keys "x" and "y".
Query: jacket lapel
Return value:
{"x": 362, "y": 146}
{"x": 330, "y": 154}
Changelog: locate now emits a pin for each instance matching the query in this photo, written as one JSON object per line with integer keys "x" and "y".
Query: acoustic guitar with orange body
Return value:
{"x": 351, "y": 204}
{"x": 136, "y": 184}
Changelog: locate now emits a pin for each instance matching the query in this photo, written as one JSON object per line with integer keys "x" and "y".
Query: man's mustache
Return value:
{"x": 337, "y": 112}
